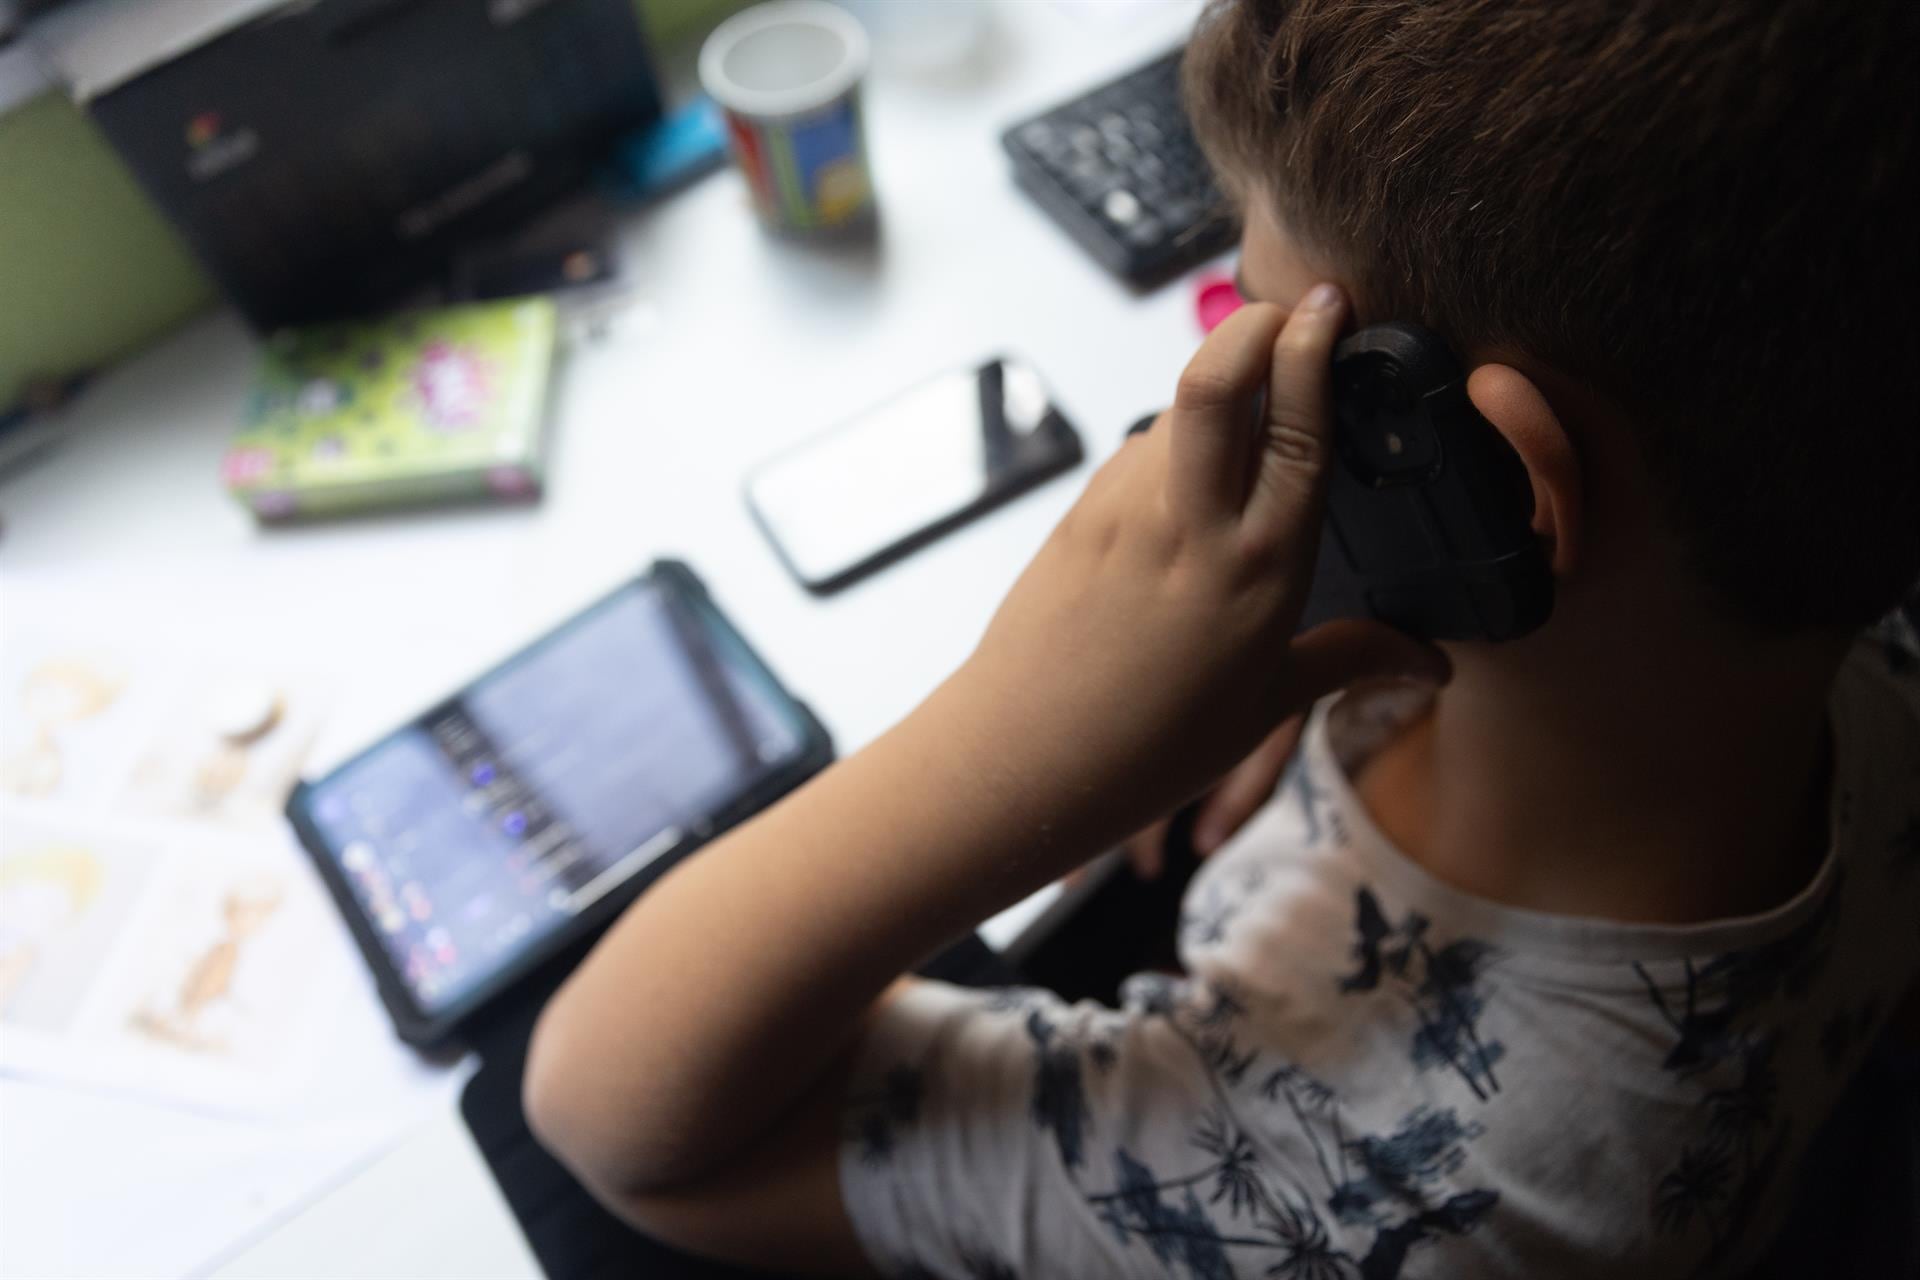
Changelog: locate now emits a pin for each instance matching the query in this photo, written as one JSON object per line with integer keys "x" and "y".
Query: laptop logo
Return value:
{"x": 213, "y": 149}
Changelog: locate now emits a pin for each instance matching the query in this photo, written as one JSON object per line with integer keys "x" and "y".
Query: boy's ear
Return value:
{"x": 1518, "y": 411}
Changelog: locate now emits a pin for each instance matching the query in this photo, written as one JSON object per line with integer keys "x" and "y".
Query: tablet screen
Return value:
{"x": 475, "y": 833}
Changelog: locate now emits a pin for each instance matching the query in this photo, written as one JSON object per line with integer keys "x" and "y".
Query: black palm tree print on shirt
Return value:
{"x": 1385, "y": 1186}
{"x": 878, "y": 1115}
{"x": 1059, "y": 1096}
{"x": 1729, "y": 1021}
{"x": 1442, "y": 984}
{"x": 1368, "y": 1202}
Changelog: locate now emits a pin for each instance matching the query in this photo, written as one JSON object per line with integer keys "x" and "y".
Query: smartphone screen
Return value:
{"x": 845, "y": 503}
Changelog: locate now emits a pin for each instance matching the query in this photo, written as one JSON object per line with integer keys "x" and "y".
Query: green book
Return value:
{"x": 423, "y": 407}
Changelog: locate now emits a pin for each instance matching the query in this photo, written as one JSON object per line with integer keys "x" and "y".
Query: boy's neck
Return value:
{"x": 1618, "y": 775}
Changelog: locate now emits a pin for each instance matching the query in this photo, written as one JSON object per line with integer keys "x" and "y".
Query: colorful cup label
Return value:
{"x": 808, "y": 172}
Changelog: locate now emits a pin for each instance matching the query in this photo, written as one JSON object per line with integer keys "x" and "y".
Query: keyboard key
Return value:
{"x": 1093, "y": 189}
{"x": 1122, "y": 208}
{"x": 1041, "y": 138}
{"x": 1182, "y": 213}
{"x": 1083, "y": 167}
{"x": 1144, "y": 233}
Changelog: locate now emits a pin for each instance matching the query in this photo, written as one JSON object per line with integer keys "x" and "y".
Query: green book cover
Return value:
{"x": 426, "y": 406}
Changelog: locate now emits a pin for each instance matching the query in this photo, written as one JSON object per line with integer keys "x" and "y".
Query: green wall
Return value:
{"x": 89, "y": 271}
{"x": 674, "y": 25}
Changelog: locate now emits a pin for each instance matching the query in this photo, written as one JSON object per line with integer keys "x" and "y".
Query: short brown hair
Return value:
{"x": 1702, "y": 210}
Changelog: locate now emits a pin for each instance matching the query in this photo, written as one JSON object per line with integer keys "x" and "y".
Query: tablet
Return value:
{"x": 519, "y": 815}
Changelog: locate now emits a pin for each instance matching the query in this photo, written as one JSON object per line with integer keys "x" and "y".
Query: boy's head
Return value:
{"x": 1699, "y": 214}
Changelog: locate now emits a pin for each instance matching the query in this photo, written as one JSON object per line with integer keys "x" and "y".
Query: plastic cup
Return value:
{"x": 787, "y": 76}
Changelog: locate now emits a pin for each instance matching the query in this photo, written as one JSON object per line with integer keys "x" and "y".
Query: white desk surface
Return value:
{"x": 734, "y": 346}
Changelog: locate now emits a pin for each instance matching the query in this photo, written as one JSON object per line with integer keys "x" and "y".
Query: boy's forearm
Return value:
{"x": 1146, "y": 648}
{"x": 734, "y": 983}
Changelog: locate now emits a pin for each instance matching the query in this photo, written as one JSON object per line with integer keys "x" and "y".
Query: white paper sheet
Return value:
{"x": 95, "y": 1184}
{"x": 175, "y": 965}
{"x": 190, "y": 1046}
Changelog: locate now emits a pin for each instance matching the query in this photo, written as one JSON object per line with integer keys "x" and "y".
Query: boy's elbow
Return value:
{"x": 572, "y": 1116}
{"x": 556, "y": 1100}
{"x": 578, "y": 1119}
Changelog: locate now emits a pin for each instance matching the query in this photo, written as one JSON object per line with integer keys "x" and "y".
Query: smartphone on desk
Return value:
{"x": 852, "y": 501}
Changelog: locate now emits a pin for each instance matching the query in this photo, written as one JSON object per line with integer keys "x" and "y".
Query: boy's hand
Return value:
{"x": 1147, "y": 648}
{"x": 1150, "y": 645}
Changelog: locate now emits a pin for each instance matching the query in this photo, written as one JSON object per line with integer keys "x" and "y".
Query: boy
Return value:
{"x": 1557, "y": 972}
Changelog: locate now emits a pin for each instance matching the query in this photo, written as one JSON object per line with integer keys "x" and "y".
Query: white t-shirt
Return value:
{"x": 1369, "y": 1074}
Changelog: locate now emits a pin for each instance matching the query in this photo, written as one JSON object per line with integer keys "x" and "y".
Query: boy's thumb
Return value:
{"x": 1337, "y": 654}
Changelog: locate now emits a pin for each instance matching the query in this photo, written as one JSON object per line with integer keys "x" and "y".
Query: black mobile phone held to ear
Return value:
{"x": 1429, "y": 524}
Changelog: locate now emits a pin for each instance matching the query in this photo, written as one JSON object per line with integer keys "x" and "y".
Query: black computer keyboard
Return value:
{"x": 1120, "y": 170}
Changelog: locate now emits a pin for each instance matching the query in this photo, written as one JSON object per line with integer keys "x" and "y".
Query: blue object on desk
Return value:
{"x": 670, "y": 153}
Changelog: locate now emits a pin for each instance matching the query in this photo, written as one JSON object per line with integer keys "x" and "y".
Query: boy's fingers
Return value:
{"x": 1211, "y": 422}
{"x": 1285, "y": 504}
{"x": 1242, "y": 792}
{"x": 1147, "y": 851}
{"x": 1335, "y": 655}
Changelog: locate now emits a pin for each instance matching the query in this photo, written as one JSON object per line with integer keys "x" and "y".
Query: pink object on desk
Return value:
{"x": 1214, "y": 299}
